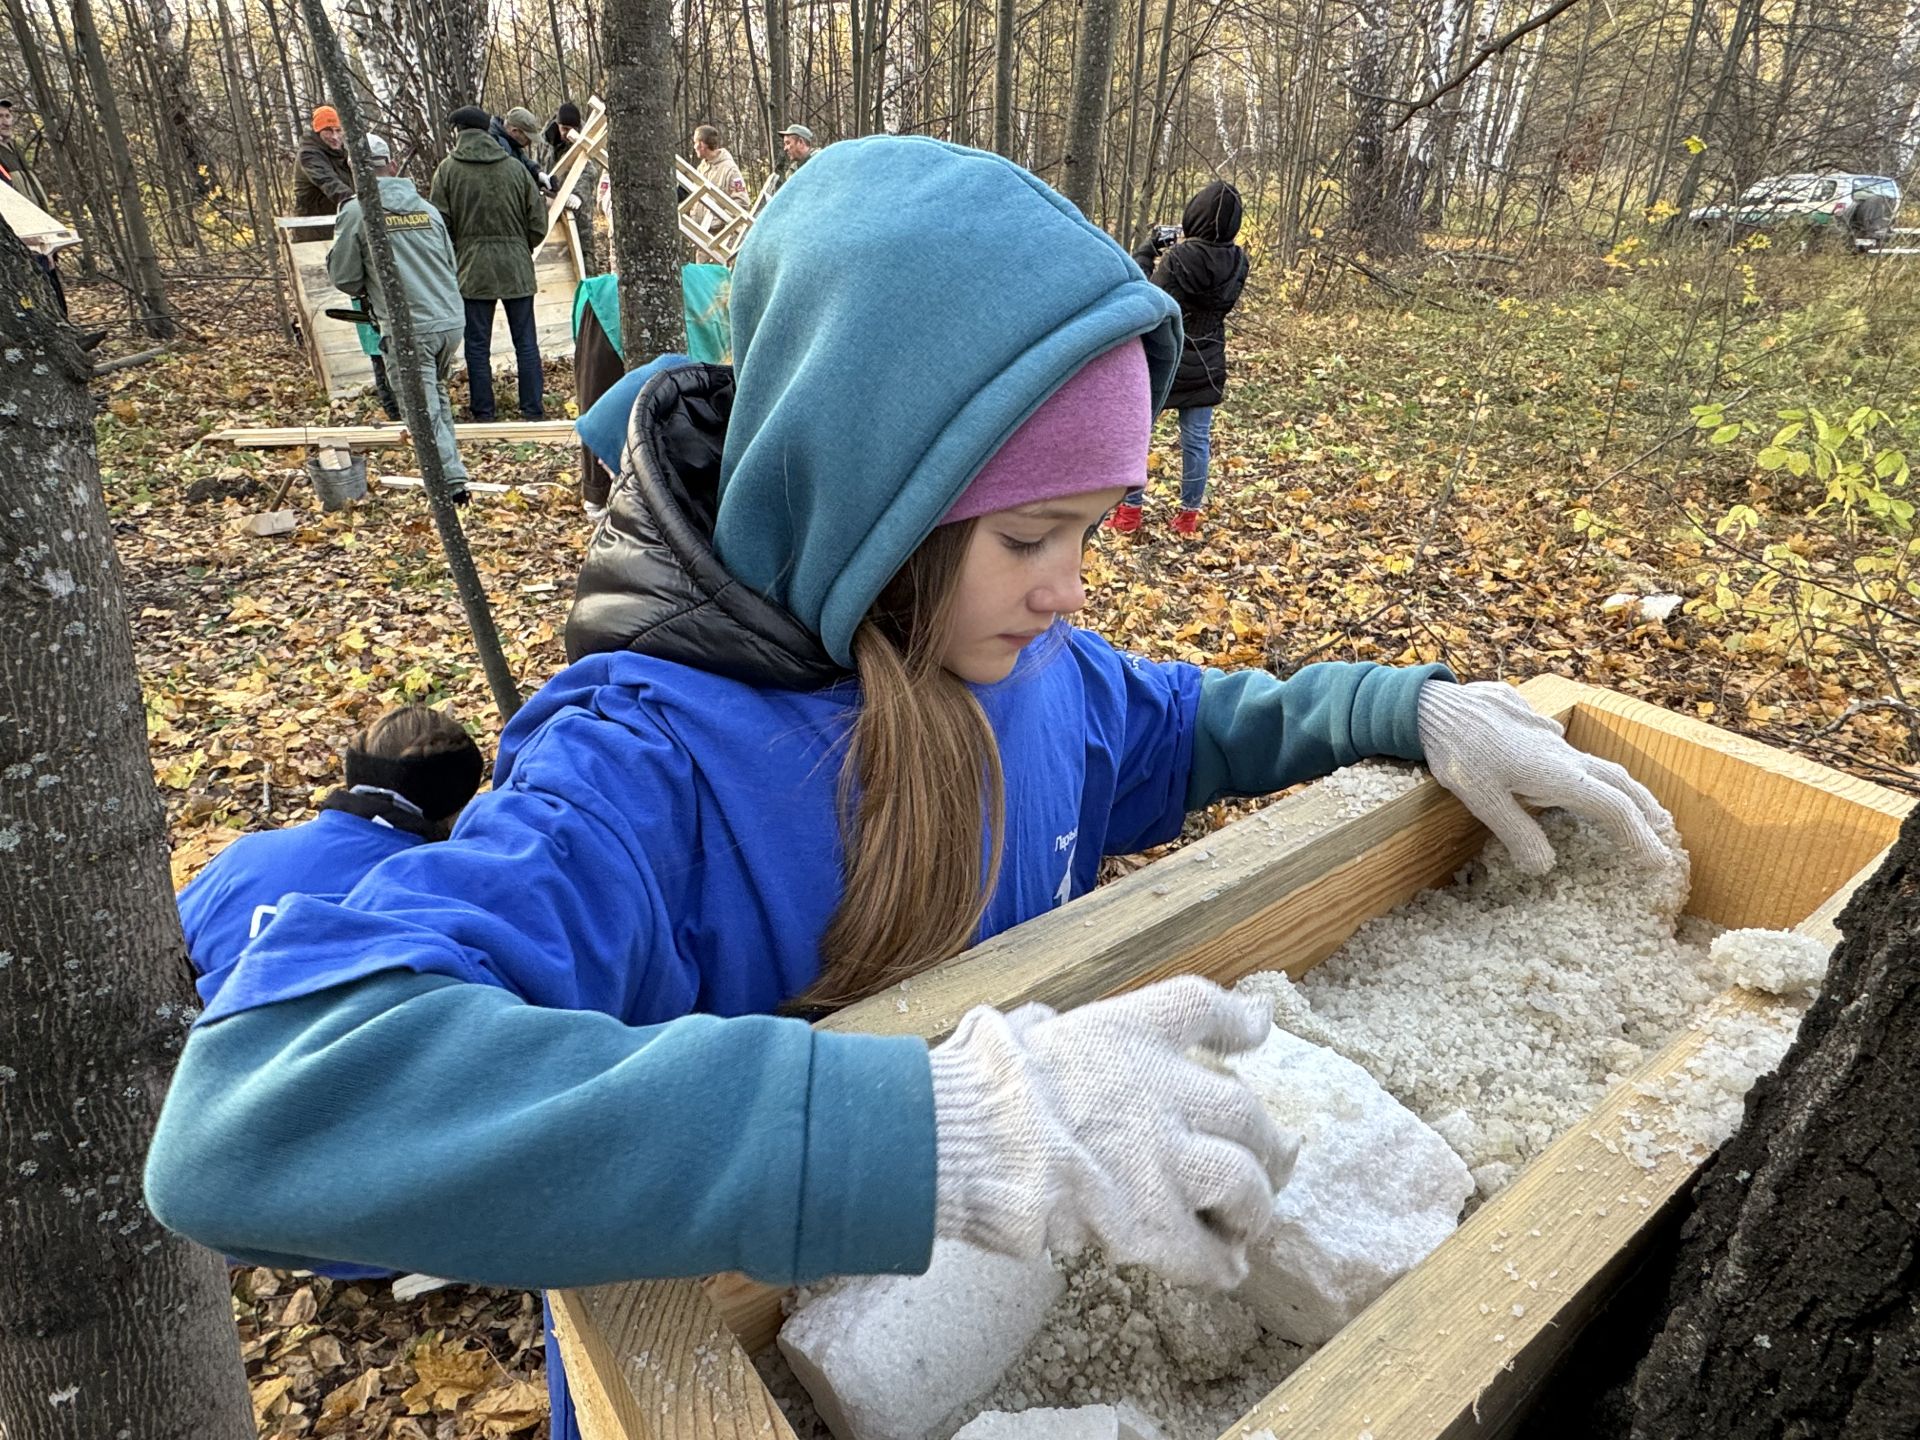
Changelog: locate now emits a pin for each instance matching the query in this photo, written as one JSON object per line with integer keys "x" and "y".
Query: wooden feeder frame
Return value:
{"x": 1776, "y": 842}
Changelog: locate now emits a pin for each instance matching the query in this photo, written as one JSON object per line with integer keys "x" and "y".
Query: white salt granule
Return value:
{"x": 1191, "y": 1361}
{"x": 1369, "y": 783}
{"x": 899, "y": 1357}
{"x": 1373, "y": 1190}
{"x": 1088, "y": 1422}
{"x": 1291, "y": 1012}
{"x": 1499, "y": 1010}
{"x": 1776, "y": 961}
{"x": 1698, "y": 1107}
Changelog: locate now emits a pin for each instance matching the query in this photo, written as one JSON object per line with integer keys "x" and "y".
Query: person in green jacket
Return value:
{"x": 429, "y": 288}
{"x": 496, "y": 220}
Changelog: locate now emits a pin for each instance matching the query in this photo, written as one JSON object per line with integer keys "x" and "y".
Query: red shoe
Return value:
{"x": 1124, "y": 520}
{"x": 1187, "y": 522}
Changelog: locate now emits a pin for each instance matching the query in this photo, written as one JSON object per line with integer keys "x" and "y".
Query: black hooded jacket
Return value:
{"x": 651, "y": 582}
{"x": 1205, "y": 272}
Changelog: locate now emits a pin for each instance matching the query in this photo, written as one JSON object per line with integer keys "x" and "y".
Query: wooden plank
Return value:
{"x": 590, "y": 146}
{"x": 1772, "y": 835}
{"x": 334, "y": 345}
{"x": 1280, "y": 889}
{"x": 371, "y": 437}
{"x": 693, "y": 1383}
{"x": 1820, "y": 924}
{"x": 40, "y": 232}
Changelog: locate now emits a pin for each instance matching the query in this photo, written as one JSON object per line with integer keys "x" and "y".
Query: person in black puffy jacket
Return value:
{"x": 1205, "y": 271}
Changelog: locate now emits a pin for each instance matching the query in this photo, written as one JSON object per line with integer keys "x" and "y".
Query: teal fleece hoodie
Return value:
{"x": 420, "y": 1121}
{"x": 942, "y": 294}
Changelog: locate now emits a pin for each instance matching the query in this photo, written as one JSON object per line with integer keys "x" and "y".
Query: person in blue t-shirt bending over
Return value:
{"x": 408, "y": 775}
{"x": 828, "y": 723}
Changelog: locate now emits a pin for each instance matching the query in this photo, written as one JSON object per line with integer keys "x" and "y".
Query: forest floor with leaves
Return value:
{"x": 1475, "y": 473}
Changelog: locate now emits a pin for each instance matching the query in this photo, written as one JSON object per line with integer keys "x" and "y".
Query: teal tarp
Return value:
{"x": 704, "y": 294}
{"x": 706, "y": 291}
{"x": 602, "y": 292}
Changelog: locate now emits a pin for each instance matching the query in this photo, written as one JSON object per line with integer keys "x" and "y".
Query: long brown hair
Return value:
{"x": 920, "y": 792}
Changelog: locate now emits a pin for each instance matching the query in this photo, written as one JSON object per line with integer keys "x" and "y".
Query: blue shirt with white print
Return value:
{"x": 239, "y": 891}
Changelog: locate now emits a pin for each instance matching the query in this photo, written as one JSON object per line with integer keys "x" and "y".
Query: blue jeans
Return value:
{"x": 1196, "y": 449}
{"x": 526, "y": 357}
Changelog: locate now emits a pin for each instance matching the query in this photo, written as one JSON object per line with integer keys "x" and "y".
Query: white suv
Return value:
{"x": 1863, "y": 206}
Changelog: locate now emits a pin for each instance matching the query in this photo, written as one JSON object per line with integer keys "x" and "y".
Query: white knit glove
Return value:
{"x": 1488, "y": 746}
{"x": 1056, "y": 1128}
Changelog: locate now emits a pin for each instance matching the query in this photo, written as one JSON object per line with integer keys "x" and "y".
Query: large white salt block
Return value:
{"x": 1085, "y": 1422}
{"x": 1373, "y": 1192}
{"x": 896, "y": 1357}
{"x": 1776, "y": 961}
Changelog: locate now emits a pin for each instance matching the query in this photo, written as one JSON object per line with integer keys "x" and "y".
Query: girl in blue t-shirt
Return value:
{"x": 408, "y": 774}
{"x": 827, "y": 724}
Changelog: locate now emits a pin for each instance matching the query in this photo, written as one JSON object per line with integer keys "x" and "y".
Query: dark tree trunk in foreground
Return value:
{"x": 1793, "y": 1307}
{"x": 109, "y": 1325}
{"x": 1816, "y": 1249}
{"x": 641, "y": 142}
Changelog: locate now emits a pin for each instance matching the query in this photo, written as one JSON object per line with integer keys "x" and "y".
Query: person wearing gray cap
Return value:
{"x": 515, "y": 133}
{"x": 429, "y": 288}
{"x": 797, "y": 144}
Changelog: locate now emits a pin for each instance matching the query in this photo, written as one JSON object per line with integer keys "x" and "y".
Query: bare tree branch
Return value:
{"x": 1480, "y": 57}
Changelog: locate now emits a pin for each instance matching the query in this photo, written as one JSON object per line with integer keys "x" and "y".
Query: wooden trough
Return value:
{"x": 1776, "y": 842}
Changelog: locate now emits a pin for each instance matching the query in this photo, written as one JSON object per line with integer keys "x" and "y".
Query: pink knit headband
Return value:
{"x": 1090, "y": 434}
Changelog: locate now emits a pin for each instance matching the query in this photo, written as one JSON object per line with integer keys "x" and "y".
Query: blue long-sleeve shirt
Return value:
{"x": 660, "y": 842}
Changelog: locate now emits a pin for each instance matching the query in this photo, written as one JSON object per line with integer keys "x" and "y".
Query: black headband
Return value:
{"x": 438, "y": 784}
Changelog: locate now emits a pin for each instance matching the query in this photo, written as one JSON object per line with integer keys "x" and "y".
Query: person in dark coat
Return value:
{"x": 561, "y": 134}
{"x": 322, "y": 183}
{"x": 1204, "y": 270}
{"x": 496, "y": 221}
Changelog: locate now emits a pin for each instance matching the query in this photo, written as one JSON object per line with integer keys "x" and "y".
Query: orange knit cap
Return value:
{"x": 325, "y": 117}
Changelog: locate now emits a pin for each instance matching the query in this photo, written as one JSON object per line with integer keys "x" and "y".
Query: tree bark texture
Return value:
{"x": 1004, "y": 40}
{"x": 1087, "y": 117}
{"x": 640, "y": 133}
{"x": 110, "y": 1326}
{"x": 1793, "y": 1305}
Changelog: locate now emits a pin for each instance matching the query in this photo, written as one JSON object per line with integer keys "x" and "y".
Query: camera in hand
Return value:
{"x": 1164, "y": 237}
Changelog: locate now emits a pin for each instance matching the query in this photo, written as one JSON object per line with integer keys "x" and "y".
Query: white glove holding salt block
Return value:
{"x": 1488, "y": 746}
{"x": 1054, "y": 1129}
